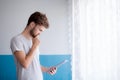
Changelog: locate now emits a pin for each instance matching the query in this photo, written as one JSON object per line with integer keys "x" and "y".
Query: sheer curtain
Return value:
{"x": 95, "y": 40}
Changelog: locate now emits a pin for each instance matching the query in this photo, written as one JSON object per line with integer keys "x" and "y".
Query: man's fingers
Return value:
{"x": 52, "y": 70}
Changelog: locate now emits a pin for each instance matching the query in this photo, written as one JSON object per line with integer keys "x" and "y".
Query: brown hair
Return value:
{"x": 39, "y": 19}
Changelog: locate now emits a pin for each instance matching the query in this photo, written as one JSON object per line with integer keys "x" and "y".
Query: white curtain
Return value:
{"x": 95, "y": 41}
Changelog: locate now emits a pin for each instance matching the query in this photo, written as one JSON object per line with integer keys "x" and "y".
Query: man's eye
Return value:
{"x": 40, "y": 30}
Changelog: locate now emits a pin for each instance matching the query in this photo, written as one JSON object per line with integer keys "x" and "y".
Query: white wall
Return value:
{"x": 13, "y": 19}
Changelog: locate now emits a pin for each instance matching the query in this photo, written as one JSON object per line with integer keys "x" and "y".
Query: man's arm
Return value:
{"x": 50, "y": 70}
{"x": 44, "y": 69}
{"x": 24, "y": 59}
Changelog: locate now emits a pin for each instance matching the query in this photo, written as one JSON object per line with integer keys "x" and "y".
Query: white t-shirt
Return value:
{"x": 33, "y": 72}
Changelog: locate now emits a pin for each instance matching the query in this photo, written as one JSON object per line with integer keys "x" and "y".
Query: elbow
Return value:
{"x": 25, "y": 65}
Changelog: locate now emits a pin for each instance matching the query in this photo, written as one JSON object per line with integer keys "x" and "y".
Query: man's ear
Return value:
{"x": 32, "y": 24}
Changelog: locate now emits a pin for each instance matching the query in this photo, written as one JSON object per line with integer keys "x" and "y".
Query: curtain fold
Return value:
{"x": 95, "y": 39}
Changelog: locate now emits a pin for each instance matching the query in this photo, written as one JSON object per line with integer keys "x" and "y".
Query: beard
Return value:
{"x": 32, "y": 33}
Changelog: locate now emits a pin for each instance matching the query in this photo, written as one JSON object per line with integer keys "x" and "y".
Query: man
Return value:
{"x": 25, "y": 48}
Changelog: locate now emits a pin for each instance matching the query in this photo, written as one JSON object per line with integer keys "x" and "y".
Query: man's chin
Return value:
{"x": 35, "y": 35}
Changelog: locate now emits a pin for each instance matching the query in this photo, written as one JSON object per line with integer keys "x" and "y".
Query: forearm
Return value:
{"x": 44, "y": 69}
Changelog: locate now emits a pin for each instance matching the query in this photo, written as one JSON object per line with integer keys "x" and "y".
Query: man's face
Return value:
{"x": 37, "y": 30}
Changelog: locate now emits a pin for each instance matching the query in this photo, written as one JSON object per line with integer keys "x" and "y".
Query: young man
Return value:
{"x": 25, "y": 48}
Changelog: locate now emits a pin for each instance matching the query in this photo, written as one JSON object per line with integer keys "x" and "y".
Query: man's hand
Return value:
{"x": 52, "y": 70}
{"x": 36, "y": 41}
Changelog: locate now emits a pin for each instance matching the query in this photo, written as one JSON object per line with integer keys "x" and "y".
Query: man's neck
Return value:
{"x": 26, "y": 33}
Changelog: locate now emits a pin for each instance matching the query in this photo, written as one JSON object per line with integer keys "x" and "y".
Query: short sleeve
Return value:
{"x": 16, "y": 45}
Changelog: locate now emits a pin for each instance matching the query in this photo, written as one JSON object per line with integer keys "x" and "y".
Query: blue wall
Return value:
{"x": 8, "y": 70}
